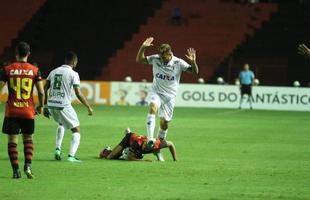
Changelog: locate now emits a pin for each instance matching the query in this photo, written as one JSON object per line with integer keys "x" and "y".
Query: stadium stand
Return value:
{"x": 272, "y": 50}
{"x": 214, "y": 28}
{"x": 94, "y": 29}
{"x": 12, "y": 21}
{"x": 107, "y": 34}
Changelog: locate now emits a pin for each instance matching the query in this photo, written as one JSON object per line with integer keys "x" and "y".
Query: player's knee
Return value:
{"x": 169, "y": 143}
{"x": 13, "y": 139}
{"x": 75, "y": 130}
{"x": 164, "y": 124}
{"x": 27, "y": 136}
{"x": 152, "y": 108}
{"x": 109, "y": 157}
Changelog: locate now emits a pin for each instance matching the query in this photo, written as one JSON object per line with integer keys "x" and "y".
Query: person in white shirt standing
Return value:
{"x": 167, "y": 70}
{"x": 58, "y": 86}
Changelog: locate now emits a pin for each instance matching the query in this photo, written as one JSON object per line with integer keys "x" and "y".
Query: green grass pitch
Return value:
{"x": 223, "y": 154}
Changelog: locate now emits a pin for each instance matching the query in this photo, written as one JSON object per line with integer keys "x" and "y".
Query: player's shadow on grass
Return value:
{"x": 51, "y": 160}
{"x": 97, "y": 158}
{"x": 6, "y": 177}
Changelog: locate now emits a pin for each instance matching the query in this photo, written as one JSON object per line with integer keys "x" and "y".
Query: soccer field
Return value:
{"x": 223, "y": 154}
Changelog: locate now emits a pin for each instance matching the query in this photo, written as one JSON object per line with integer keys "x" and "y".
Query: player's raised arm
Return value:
{"x": 191, "y": 56}
{"x": 140, "y": 58}
{"x": 304, "y": 50}
{"x": 82, "y": 99}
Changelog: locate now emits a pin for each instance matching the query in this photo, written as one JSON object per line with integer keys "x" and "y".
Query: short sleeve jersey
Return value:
{"x": 246, "y": 77}
{"x": 20, "y": 78}
{"x": 166, "y": 77}
{"x": 62, "y": 80}
{"x": 136, "y": 143}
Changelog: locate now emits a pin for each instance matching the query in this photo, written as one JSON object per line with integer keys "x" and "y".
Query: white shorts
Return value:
{"x": 66, "y": 116}
{"x": 165, "y": 105}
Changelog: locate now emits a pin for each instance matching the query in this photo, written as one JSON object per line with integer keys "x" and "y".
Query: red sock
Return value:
{"x": 28, "y": 149}
{"x": 13, "y": 155}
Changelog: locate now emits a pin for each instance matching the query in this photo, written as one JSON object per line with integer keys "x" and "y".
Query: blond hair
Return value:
{"x": 164, "y": 48}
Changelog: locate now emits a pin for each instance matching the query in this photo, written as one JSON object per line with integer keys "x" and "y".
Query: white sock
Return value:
{"x": 162, "y": 134}
{"x": 75, "y": 142}
{"x": 59, "y": 136}
{"x": 150, "y": 125}
{"x": 160, "y": 157}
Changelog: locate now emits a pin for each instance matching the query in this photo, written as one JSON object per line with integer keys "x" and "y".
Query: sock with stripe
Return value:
{"x": 13, "y": 155}
{"x": 28, "y": 152}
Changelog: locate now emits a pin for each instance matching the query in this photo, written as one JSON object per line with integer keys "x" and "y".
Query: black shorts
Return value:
{"x": 246, "y": 89}
{"x": 126, "y": 141}
{"x": 14, "y": 126}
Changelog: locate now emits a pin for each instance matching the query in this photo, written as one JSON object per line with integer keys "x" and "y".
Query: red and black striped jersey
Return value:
{"x": 20, "y": 78}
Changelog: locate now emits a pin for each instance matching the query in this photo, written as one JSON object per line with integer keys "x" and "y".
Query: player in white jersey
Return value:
{"x": 58, "y": 86}
{"x": 167, "y": 70}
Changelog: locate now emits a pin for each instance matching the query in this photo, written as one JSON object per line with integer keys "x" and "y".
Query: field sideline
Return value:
{"x": 223, "y": 154}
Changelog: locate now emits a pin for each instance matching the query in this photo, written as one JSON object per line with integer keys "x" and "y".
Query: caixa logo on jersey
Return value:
{"x": 165, "y": 77}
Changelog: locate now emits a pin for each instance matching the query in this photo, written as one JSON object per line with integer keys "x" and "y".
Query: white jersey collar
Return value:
{"x": 67, "y": 66}
{"x": 172, "y": 59}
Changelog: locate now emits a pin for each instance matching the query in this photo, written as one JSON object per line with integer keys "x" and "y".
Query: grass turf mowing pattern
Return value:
{"x": 223, "y": 154}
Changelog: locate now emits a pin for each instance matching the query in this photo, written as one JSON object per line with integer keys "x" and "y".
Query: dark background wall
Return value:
{"x": 106, "y": 34}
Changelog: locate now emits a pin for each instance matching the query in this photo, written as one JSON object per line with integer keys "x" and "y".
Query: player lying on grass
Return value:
{"x": 133, "y": 146}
